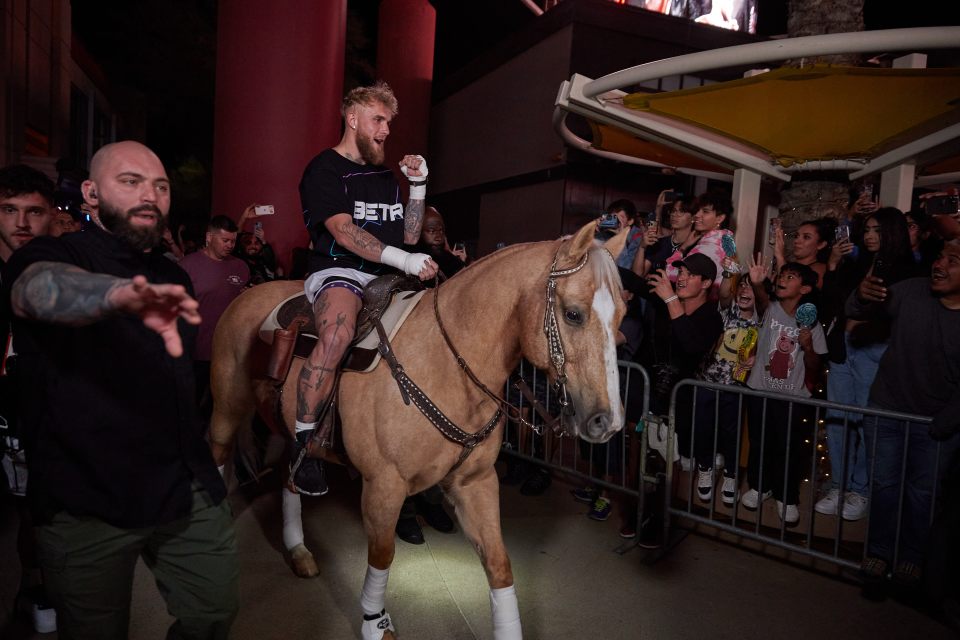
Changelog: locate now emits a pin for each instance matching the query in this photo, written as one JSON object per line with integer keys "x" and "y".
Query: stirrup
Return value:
{"x": 374, "y": 626}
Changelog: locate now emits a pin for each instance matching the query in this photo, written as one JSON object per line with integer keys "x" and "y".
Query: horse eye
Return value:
{"x": 573, "y": 316}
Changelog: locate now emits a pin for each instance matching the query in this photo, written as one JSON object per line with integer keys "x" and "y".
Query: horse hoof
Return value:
{"x": 302, "y": 562}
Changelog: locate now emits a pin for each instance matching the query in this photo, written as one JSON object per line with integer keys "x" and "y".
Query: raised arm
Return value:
{"x": 758, "y": 271}
{"x": 415, "y": 170}
{"x": 59, "y": 293}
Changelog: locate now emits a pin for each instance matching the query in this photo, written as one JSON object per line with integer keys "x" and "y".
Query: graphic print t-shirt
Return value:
{"x": 331, "y": 184}
{"x": 779, "y": 364}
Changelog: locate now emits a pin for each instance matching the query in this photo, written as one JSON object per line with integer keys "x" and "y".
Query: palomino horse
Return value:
{"x": 556, "y": 303}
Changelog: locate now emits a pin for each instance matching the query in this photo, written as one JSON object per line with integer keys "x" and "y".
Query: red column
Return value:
{"x": 278, "y": 93}
{"x": 405, "y": 61}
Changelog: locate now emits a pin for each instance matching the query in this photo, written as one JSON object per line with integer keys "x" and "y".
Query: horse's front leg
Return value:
{"x": 382, "y": 499}
{"x": 477, "y": 504}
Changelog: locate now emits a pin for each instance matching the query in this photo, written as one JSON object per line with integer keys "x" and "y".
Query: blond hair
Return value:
{"x": 380, "y": 92}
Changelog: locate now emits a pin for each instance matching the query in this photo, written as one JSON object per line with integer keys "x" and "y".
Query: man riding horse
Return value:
{"x": 351, "y": 208}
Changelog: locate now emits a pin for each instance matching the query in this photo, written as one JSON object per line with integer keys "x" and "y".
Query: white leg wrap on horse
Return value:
{"x": 292, "y": 522}
{"x": 374, "y": 591}
{"x": 306, "y": 426}
{"x": 506, "y": 614}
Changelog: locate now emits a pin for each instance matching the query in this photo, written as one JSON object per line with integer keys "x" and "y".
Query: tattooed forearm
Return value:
{"x": 412, "y": 221}
{"x": 359, "y": 241}
{"x": 60, "y": 293}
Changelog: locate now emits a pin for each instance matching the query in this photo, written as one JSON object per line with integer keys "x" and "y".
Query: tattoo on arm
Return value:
{"x": 412, "y": 221}
{"x": 360, "y": 242}
{"x": 63, "y": 294}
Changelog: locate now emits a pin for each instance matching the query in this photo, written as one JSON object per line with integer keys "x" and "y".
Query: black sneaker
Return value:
{"x": 306, "y": 473}
{"x": 536, "y": 484}
{"x": 435, "y": 516}
{"x": 408, "y": 530}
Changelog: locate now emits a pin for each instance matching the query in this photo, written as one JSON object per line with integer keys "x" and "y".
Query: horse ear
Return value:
{"x": 574, "y": 249}
{"x": 616, "y": 244}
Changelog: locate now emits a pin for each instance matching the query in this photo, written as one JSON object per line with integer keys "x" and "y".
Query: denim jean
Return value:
{"x": 887, "y": 444}
{"x": 849, "y": 383}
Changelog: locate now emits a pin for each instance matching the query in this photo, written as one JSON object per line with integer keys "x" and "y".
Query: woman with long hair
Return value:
{"x": 856, "y": 346}
{"x": 812, "y": 242}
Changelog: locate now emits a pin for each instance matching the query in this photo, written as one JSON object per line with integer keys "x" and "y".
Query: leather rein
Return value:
{"x": 409, "y": 390}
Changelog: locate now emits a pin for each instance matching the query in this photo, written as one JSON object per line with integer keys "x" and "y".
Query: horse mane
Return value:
{"x": 604, "y": 270}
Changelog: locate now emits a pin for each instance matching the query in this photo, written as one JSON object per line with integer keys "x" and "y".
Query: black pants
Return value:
{"x": 716, "y": 429}
{"x": 772, "y": 432}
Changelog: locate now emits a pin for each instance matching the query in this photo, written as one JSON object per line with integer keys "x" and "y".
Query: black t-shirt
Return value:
{"x": 331, "y": 184}
{"x": 110, "y": 425}
{"x": 693, "y": 336}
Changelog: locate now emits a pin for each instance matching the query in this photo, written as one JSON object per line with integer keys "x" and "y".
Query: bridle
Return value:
{"x": 554, "y": 350}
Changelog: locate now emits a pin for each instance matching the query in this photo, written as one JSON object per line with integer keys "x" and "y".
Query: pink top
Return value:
{"x": 710, "y": 245}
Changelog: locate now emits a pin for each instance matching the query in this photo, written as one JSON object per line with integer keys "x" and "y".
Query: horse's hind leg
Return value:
{"x": 382, "y": 498}
{"x": 477, "y": 504}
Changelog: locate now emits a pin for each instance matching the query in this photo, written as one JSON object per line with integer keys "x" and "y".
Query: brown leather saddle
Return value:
{"x": 290, "y": 327}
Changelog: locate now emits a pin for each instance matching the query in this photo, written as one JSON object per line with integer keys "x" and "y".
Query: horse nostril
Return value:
{"x": 598, "y": 427}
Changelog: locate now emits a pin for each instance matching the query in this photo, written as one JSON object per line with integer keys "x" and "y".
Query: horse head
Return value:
{"x": 574, "y": 340}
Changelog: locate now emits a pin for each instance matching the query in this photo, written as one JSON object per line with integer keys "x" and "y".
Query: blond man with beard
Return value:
{"x": 351, "y": 206}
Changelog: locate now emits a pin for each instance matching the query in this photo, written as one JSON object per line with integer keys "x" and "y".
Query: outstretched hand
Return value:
{"x": 159, "y": 306}
{"x": 757, "y": 268}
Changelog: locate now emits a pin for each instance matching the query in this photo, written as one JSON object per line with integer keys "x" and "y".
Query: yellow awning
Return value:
{"x": 798, "y": 115}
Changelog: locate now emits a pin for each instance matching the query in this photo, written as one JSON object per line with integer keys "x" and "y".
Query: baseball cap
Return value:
{"x": 699, "y": 265}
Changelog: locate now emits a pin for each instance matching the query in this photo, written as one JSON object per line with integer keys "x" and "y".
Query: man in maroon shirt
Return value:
{"x": 218, "y": 277}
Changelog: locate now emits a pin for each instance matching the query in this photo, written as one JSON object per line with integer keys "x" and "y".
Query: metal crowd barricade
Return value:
{"x": 618, "y": 465}
{"x": 824, "y": 537}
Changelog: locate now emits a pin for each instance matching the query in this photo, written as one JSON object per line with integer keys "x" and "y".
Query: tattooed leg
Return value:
{"x": 336, "y": 312}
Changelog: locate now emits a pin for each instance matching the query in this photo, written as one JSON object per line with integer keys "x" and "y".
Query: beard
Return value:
{"x": 141, "y": 238}
{"x": 369, "y": 151}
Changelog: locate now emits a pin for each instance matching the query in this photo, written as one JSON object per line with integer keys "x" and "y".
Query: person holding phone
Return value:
{"x": 855, "y": 349}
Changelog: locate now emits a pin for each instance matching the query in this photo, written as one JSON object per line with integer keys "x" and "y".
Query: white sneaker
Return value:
{"x": 728, "y": 492}
{"x": 855, "y": 506}
{"x": 685, "y": 463}
{"x": 829, "y": 504}
{"x": 752, "y": 498}
{"x": 790, "y": 515}
{"x": 705, "y": 484}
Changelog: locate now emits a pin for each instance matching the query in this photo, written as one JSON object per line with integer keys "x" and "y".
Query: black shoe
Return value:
{"x": 408, "y": 530}
{"x": 516, "y": 472}
{"x": 536, "y": 484}
{"x": 435, "y": 516}
{"x": 308, "y": 476}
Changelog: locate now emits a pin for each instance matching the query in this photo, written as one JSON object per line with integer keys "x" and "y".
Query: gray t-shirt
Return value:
{"x": 779, "y": 365}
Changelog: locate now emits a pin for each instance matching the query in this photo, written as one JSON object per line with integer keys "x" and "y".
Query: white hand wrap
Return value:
{"x": 418, "y": 184}
{"x": 410, "y": 263}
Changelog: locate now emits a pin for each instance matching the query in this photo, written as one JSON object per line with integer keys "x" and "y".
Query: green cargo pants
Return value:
{"x": 88, "y": 569}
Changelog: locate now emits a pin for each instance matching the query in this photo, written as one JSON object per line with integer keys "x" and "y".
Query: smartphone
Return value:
{"x": 653, "y": 221}
{"x": 459, "y": 246}
{"x": 842, "y": 233}
{"x": 867, "y": 190}
{"x": 669, "y": 196}
{"x": 263, "y": 210}
{"x": 772, "y": 231}
{"x": 609, "y": 221}
{"x": 258, "y": 226}
{"x": 939, "y": 205}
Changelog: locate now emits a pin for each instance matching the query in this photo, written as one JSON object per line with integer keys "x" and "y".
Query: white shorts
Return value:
{"x": 350, "y": 279}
